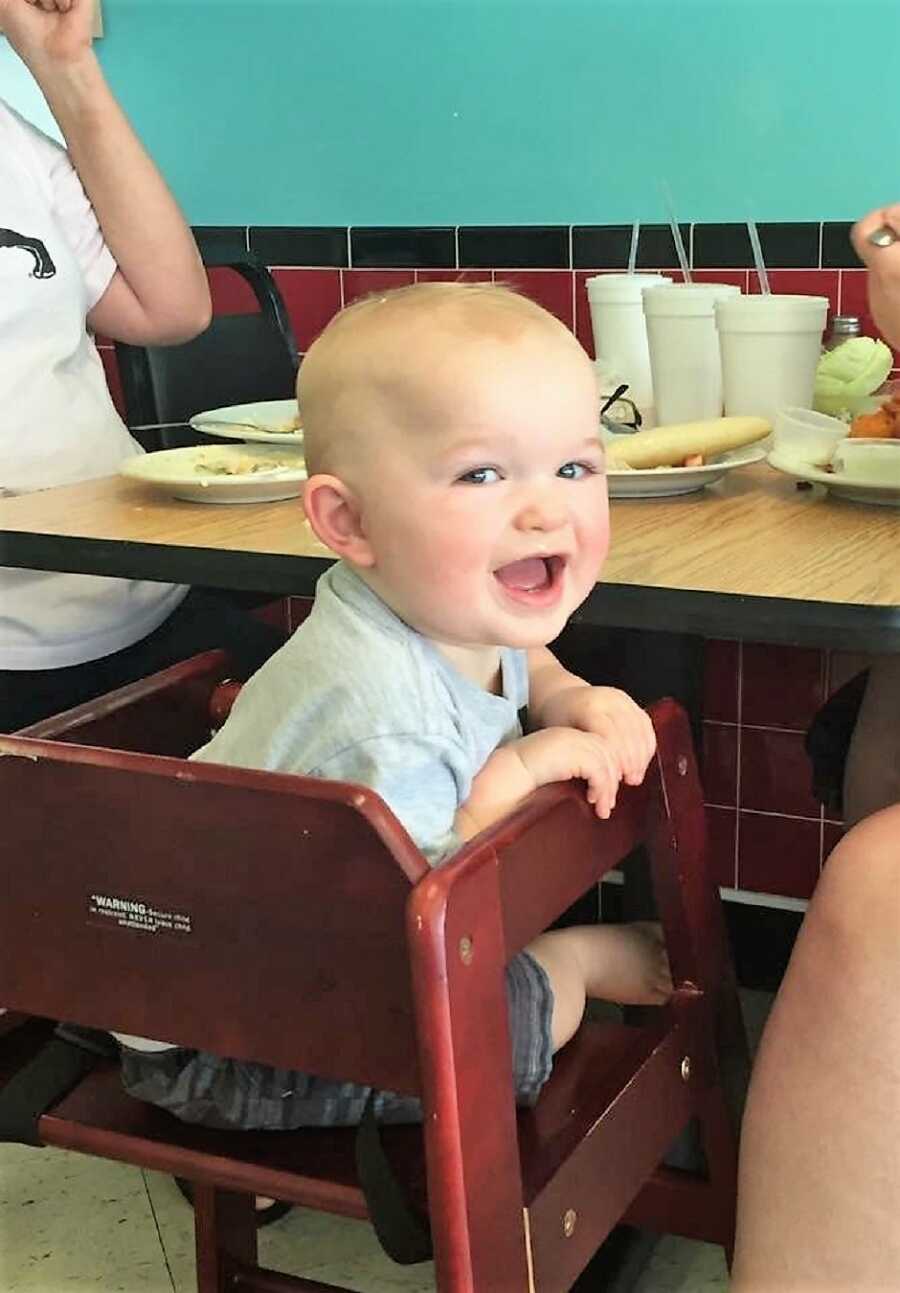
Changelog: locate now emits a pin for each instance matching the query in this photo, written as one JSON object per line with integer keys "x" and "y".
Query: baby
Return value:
{"x": 455, "y": 468}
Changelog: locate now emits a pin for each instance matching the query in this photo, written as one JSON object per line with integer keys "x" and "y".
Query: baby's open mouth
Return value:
{"x": 531, "y": 574}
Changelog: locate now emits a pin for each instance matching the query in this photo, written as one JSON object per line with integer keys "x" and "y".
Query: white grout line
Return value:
{"x": 456, "y": 246}
{"x": 749, "y": 897}
{"x": 756, "y": 727}
{"x": 821, "y": 240}
{"x": 349, "y": 248}
{"x": 764, "y": 812}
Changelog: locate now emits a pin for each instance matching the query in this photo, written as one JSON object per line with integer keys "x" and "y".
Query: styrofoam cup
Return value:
{"x": 620, "y": 334}
{"x": 685, "y": 363}
{"x": 770, "y": 347}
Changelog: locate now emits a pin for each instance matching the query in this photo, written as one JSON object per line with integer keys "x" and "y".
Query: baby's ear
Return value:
{"x": 334, "y": 514}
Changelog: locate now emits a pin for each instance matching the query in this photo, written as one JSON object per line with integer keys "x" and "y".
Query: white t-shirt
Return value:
{"x": 58, "y": 424}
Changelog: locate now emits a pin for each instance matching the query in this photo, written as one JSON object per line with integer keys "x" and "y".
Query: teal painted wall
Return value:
{"x": 519, "y": 111}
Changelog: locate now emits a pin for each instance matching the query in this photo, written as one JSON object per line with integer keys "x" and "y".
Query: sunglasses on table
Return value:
{"x": 617, "y": 411}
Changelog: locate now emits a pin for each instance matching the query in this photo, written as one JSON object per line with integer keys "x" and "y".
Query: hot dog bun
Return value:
{"x": 669, "y": 446}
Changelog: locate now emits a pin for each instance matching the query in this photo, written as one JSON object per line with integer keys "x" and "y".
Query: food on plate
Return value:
{"x": 848, "y": 374}
{"x": 243, "y": 465}
{"x": 883, "y": 424}
{"x": 674, "y": 446}
{"x": 293, "y": 426}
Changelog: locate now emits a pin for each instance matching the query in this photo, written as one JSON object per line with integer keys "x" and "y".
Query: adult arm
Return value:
{"x": 159, "y": 293}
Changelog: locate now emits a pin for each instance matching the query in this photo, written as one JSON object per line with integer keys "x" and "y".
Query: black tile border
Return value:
{"x": 514, "y": 247}
{"x": 220, "y": 241}
{"x": 318, "y": 246}
{"x": 790, "y": 245}
{"x": 607, "y": 246}
{"x": 837, "y": 250}
{"x": 804, "y": 244}
{"x": 403, "y": 247}
{"x": 784, "y": 246}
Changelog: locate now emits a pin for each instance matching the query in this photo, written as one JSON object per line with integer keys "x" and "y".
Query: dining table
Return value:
{"x": 753, "y": 556}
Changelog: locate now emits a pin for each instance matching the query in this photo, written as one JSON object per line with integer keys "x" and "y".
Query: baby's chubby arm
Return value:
{"x": 558, "y": 698}
{"x": 516, "y": 769}
{"x": 597, "y": 734}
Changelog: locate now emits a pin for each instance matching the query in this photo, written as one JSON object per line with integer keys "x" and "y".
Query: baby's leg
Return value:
{"x": 626, "y": 964}
{"x": 872, "y": 774}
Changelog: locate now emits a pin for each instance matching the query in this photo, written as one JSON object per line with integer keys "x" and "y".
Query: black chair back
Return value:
{"x": 239, "y": 359}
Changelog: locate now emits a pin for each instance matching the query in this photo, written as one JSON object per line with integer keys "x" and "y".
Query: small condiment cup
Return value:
{"x": 811, "y": 437}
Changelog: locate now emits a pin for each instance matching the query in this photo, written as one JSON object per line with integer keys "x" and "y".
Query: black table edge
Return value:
{"x": 786, "y": 620}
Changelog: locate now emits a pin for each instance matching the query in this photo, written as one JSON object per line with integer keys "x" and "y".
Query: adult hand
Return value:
{"x": 878, "y": 257}
{"x": 48, "y": 31}
{"x": 884, "y": 269}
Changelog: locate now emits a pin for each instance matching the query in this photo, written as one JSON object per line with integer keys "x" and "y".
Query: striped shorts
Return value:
{"x": 201, "y": 1088}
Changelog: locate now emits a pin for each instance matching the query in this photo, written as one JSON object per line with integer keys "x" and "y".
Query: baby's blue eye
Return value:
{"x": 480, "y": 476}
{"x": 576, "y": 470}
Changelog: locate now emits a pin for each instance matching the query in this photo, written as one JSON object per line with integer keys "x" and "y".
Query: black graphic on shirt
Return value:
{"x": 43, "y": 264}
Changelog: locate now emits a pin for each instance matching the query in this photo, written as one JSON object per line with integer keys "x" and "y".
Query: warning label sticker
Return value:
{"x": 132, "y": 913}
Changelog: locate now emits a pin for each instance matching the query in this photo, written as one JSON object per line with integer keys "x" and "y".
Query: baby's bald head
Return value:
{"x": 391, "y": 362}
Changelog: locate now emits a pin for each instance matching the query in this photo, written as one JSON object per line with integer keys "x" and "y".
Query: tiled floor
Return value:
{"x": 70, "y": 1223}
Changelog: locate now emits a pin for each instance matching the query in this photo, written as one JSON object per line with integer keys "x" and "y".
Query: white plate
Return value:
{"x": 664, "y": 482}
{"x": 856, "y": 491}
{"x": 184, "y": 473}
{"x": 263, "y": 422}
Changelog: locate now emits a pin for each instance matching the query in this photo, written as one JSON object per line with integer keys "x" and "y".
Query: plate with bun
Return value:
{"x": 683, "y": 458}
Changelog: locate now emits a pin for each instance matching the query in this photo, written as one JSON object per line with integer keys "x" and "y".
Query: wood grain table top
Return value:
{"x": 750, "y": 557}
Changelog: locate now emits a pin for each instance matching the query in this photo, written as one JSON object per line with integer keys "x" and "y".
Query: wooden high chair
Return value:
{"x": 291, "y": 920}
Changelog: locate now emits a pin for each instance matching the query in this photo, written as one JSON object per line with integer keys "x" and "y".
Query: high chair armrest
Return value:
{"x": 550, "y": 849}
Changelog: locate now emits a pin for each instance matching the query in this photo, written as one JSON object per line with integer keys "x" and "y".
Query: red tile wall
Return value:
{"x": 767, "y": 834}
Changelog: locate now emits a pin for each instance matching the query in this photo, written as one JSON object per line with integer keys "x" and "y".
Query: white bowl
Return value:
{"x": 812, "y": 437}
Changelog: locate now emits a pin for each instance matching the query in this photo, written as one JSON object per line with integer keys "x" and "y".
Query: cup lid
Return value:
{"x": 687, "y": 298}
{"x": 622, "y": 287}
{"x": 775, "y": 312}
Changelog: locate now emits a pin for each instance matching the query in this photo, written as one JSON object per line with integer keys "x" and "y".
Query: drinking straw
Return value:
{"x": 758, "y": 258}
{"x": 632, "y": 253}
{"x": 676, "y": 233}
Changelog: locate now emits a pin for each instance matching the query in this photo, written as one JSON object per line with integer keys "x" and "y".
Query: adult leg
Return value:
{"x": 872, "y": 773}
{"x": 820, "y": 1152}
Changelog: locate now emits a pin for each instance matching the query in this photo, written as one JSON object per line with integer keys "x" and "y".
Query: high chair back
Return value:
{"x": 292, "y": 921}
